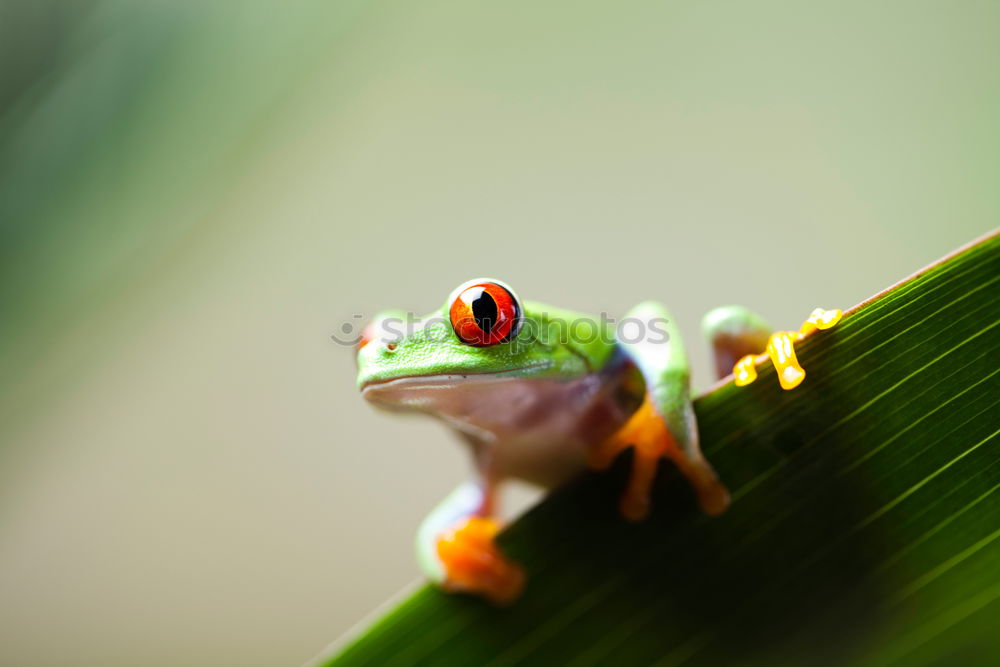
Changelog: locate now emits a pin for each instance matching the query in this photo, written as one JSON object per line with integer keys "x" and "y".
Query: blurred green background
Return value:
{"x": 195, "y": 195}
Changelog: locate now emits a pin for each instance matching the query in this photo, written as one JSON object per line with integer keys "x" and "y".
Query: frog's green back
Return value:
{"x": 590, "y": 339}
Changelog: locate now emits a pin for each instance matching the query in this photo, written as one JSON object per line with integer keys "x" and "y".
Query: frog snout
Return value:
{"x": 385, "y": 330}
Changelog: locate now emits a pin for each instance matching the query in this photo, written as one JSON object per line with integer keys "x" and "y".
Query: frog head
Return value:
{"x": 484, "y": 339}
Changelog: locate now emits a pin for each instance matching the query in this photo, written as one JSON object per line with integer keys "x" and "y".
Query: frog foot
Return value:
{"x": 473, "y": 563}
{"x": 649, "y": 434}
{"x": 781, "y": 351}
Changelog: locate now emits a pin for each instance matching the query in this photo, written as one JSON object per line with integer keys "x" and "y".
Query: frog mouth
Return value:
{"x": 416, "y": 391}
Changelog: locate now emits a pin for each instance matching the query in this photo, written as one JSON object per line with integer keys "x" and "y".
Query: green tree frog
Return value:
{"x": 538, "y": 393}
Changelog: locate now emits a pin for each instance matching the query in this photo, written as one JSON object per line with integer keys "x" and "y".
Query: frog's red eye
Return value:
{"x": 485, "y": 314}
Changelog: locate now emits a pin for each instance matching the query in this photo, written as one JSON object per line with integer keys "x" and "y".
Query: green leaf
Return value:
{"x": 864, "y": 529}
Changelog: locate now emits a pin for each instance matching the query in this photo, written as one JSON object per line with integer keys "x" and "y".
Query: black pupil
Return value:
{"x": 484, "y": 309}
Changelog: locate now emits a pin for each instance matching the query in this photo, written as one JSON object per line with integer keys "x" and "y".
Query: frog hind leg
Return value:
{"x": 665, "y": 424}
{"x": 456, "y": 546}
{"x": 734, "y": 333}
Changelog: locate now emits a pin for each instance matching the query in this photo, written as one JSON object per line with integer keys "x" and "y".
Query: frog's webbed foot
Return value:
{"x": 741, "y": 342}
{"x": 650, "y": 435}
{"x": 457, "y": 550}
{"x": 473, "y": 563}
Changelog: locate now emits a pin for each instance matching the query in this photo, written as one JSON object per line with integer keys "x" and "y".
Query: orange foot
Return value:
{"x": 781, "y": 350}
{"x": 647, "y": 431}
{"x": 474, "y": 564}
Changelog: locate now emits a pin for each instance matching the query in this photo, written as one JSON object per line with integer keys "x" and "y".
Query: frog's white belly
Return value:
{"x": 526, "y": 427}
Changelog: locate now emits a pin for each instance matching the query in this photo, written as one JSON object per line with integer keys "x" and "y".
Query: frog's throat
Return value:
{"x": 532, "y": 426}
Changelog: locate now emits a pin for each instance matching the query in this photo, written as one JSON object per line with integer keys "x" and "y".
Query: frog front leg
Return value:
{"x": 665, "y": 424}
{"x": 456, "y": 548}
